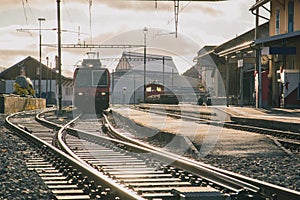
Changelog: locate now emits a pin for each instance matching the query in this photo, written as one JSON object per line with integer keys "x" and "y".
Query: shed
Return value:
{"x": 29, "y": 67}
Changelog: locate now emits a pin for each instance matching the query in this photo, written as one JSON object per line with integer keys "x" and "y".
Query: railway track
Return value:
{"x": 99, "y": 166}
{"x": 66, "y": 177}
{"x": 288, "y": 139}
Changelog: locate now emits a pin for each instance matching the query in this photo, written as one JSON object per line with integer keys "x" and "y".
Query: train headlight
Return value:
{"x": 80, "y": 93}
{"x": 103, "y": 93}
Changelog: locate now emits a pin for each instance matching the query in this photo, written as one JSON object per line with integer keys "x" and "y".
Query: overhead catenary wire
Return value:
{"x": 180, "y": 9}
{"x": 66, "y": 10}
{"x": 177, "y": 9}
{"x": 90, "y": 20}
{"x": 26, "y": 6}
{"x": 24, "y": 11}
{"x": 29, "y": 8}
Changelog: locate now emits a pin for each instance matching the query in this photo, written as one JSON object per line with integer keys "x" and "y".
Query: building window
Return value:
{"x": 277, "y": 23}
{"x": 68, "y": 91}
{"x": 291, "y": 16}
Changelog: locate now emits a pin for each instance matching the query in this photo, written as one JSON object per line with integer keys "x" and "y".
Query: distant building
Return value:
{"x": 2, "y": 69}
{"x": 49, "y": 88}
{"x": 155, "y": 63}
{"x": 128, "y": 77}
{"x": 207, "y": 63}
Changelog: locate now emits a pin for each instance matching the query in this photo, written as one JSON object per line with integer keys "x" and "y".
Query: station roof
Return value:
{"x": 28, "y": 67}
{"x": 154, "y": 63}
{"x": 259, "y": 4}
{"x": 243, "y": 41}
{"x": 276, "y": 38}
{"x": 206, "y": 50}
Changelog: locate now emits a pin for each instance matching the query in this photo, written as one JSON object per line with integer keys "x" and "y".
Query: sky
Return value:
{"x": 118, "y": 22}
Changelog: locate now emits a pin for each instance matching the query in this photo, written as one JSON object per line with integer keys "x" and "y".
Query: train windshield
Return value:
{"x": 82, "y": 78}
{"x": 88, "y": 78}
{"x": 99, "y": 78}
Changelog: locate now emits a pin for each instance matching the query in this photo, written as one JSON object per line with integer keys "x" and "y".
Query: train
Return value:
{"x": 155, "y": 93}
{"x": 91, "y": 86}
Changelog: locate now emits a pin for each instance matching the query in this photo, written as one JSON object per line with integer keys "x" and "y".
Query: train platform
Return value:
{"x": 207, "y": 139}
{"x": 275, "y": 118}
{"x": 286, "y": 119}
{"x": 285, "y": 114}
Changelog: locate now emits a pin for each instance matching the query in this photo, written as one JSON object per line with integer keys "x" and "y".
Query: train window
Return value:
{"x": 82, "y": 78}
{"x": 158, "y": 89}
{"x": 99, "y": 78}
{"x": 148, "y": 89}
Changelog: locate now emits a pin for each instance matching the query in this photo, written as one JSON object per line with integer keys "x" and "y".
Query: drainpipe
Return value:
{"x": 258, "y": 100}
{"x": 227, "y": 81}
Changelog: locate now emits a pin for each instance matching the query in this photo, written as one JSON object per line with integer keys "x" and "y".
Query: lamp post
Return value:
{"x": 59, "y": 56}
{"x": 163, "y": 60}
{"x": 47, "y": 78}
{"x": 145, "y": 30}
{"x": 39, "y": 72}
{"x": 50, "y": 86}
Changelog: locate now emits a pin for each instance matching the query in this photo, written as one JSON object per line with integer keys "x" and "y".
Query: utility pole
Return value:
{"x": 39, "y": 72}
{"x": 50, "y": 86}
{"x": 145, "y": 54}
{"x": 47, "y": 78}
{"x": 59, "y": 57}
{"x": 176, "y": 11}
{"x": 163, "y": 60}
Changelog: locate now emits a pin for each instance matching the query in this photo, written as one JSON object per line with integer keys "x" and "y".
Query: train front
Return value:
{"x": 91, "y": 87}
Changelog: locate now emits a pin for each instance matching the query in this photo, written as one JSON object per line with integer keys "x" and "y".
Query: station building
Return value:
{"x": 49, "y": 80}
{"x": 228, "y": 70}
{"x": 271, "y": 48}
{"x": 128, "y": 78}
{"x": 282, "y": 49}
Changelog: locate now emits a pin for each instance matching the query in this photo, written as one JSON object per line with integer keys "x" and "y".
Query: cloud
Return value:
{"x": 26, "y": 3}
{"x": 205, "y": 10}
{"x": 11, "y": 57}
{"x": 137, "y": 5}
{"x": 119, "y": 21}
{"x": 163, "y": 6}
{"x": 157, "y": 39}
{"x": 10, "y": 3}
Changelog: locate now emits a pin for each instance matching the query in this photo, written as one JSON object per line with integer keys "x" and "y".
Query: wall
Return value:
{"x": 282, "y": 5}
{"x": 14, "y": 103}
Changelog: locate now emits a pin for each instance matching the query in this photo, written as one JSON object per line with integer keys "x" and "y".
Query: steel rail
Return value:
{"x": 123, "y": 191}
{"x": 261, "y": 187}
{"x": 288, "y": 139}
{"x": 97, "y": 176}
{"x": 243, "y": 127}
{"x": 224, "y": 178}
{"x": 90, "y": 172}
{"x": 178, "y": 161}
{"x": 186, "y": 164}
{"x": 162, "y": 156}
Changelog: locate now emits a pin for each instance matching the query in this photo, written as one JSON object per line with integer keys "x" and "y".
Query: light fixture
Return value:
{"x": 145, "y": 30}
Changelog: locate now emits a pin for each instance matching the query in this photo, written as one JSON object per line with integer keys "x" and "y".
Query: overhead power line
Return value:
{"x": 177, "y": 10}
{"x": 89, "y": 46}
{"x": 24, "y": 10}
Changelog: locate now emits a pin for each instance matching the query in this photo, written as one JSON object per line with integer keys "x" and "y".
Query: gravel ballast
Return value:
{"x": 16, "y": 180}
{"x": 249, "y": 154}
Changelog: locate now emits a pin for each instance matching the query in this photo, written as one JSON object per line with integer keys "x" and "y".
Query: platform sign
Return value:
{"x": 278, "y": 50}
{"x": 240, "y": 63}
{"x": 283, "y": 50}
{"x": 265, "y": 51}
